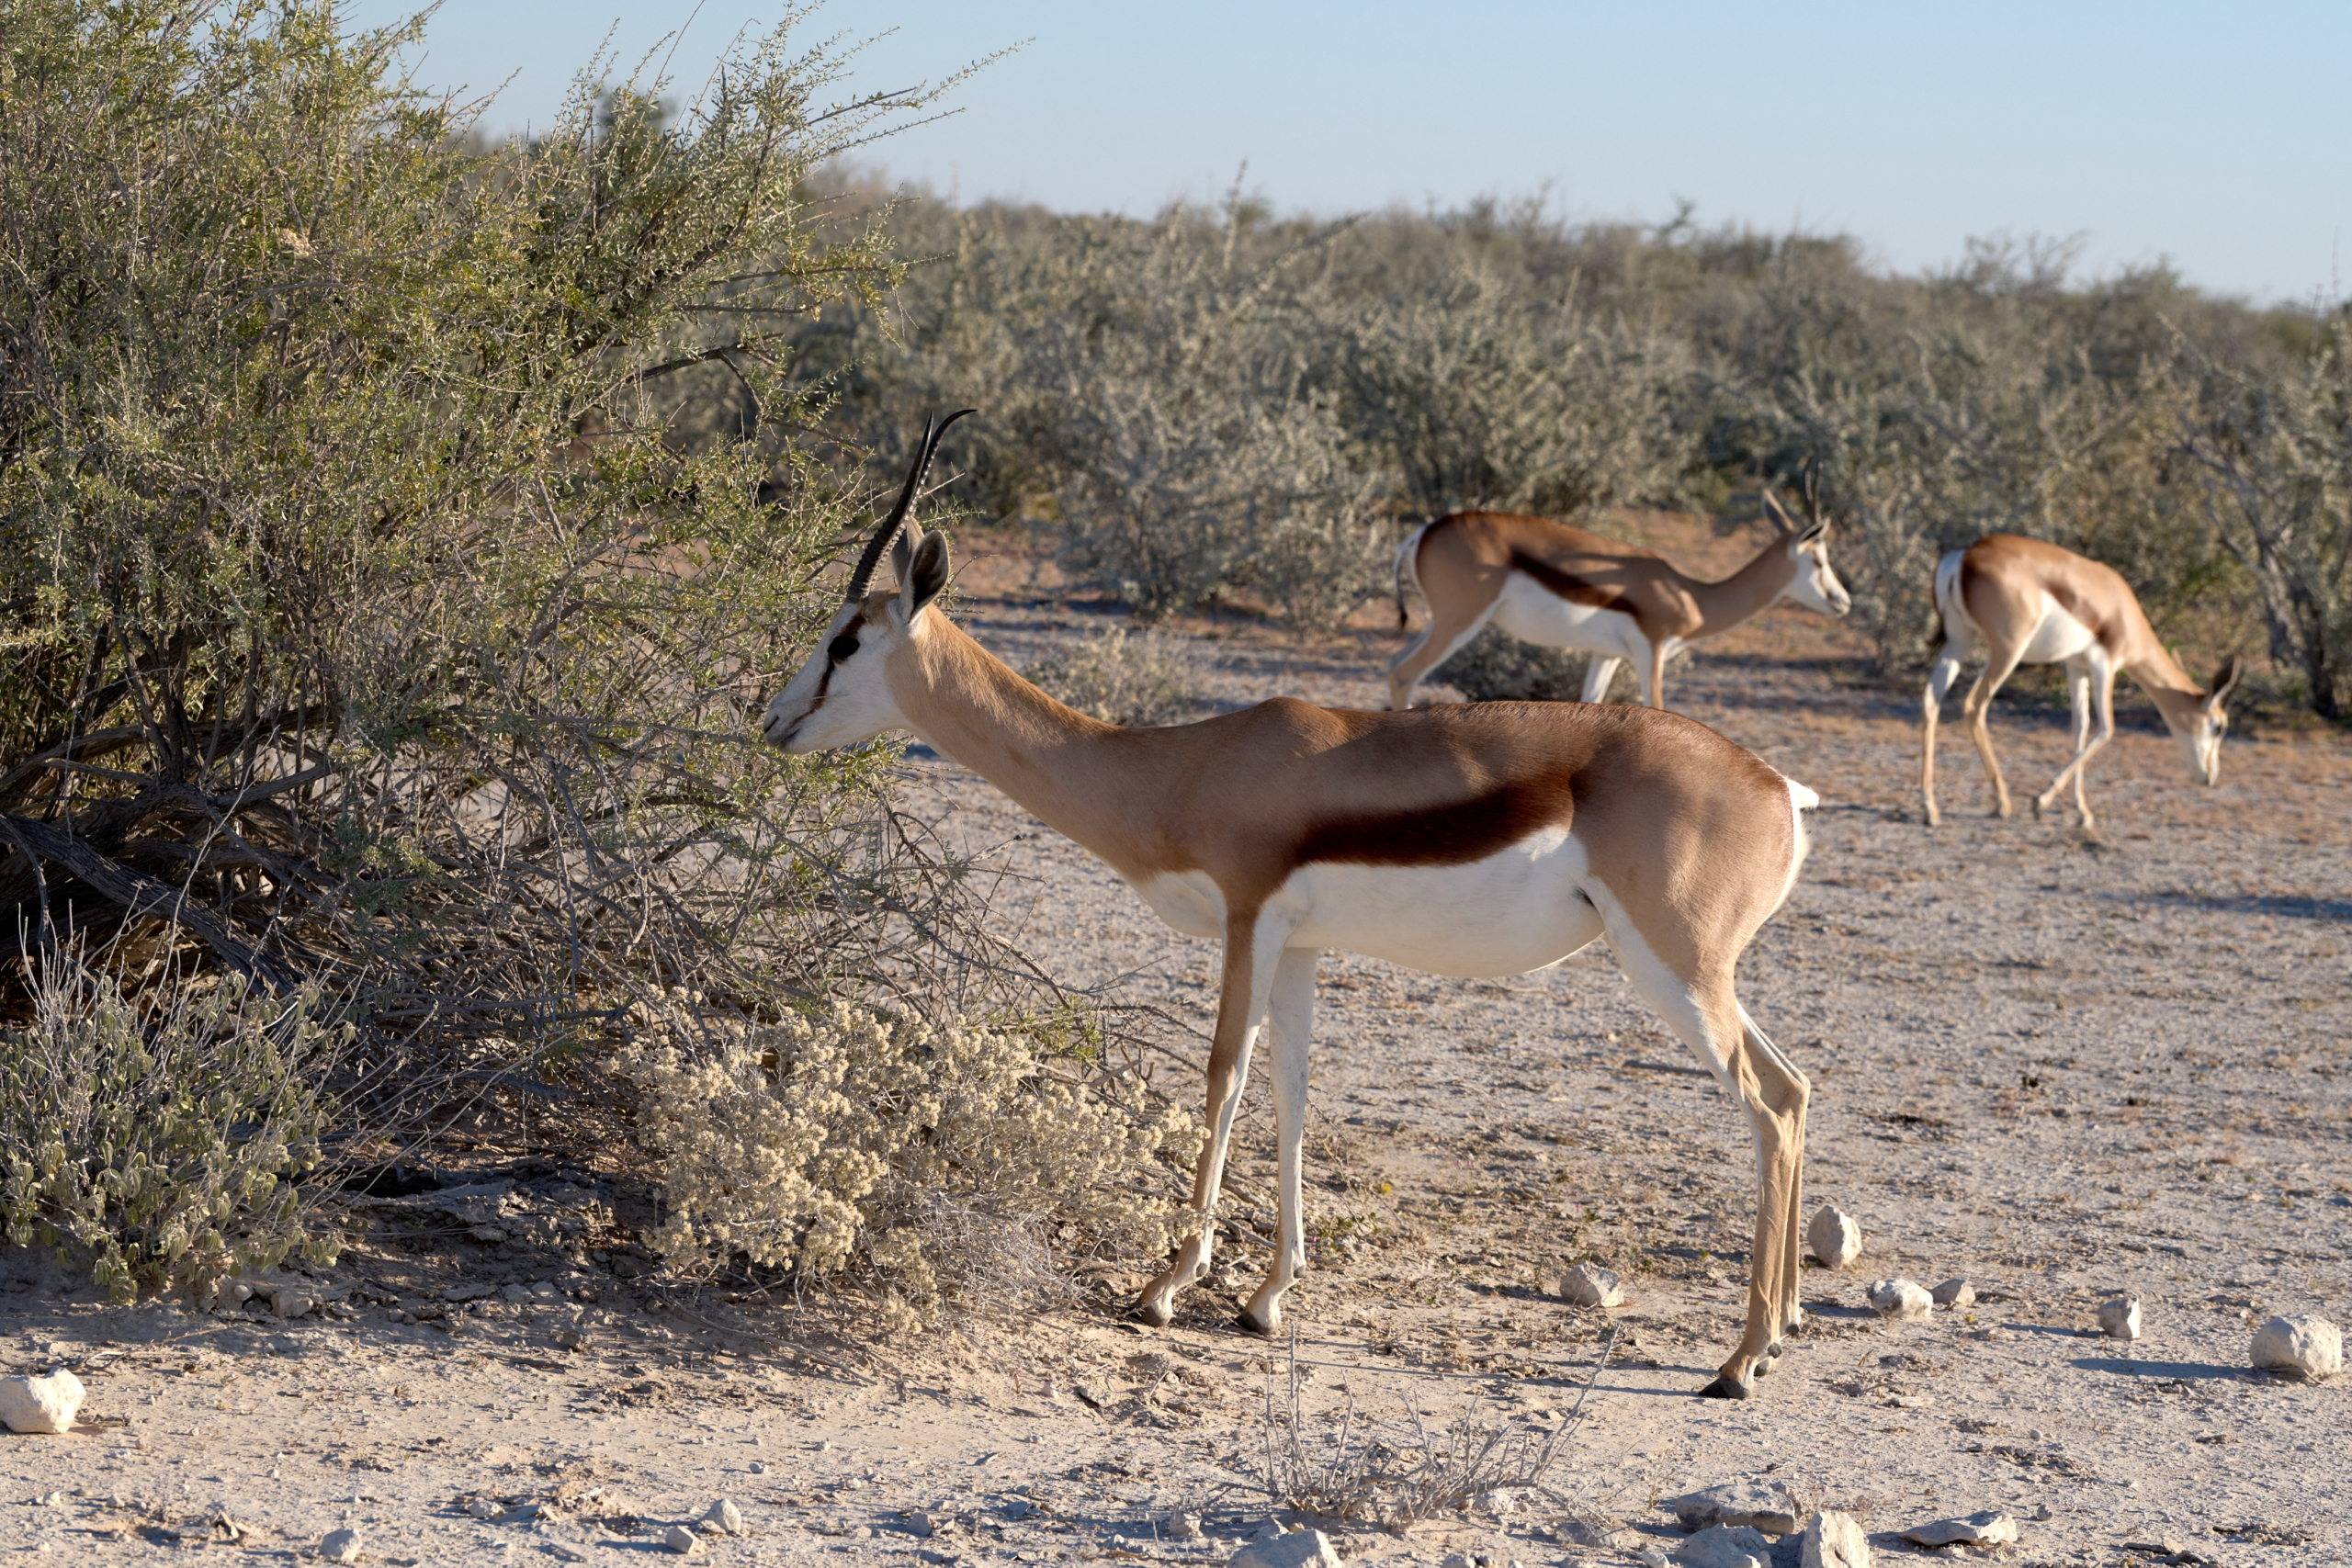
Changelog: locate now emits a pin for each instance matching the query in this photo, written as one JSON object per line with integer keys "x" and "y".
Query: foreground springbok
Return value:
{"x": 2034, "y": 604}
{"x": 1546, "y": 583}
{"x": 1486, "y": 840}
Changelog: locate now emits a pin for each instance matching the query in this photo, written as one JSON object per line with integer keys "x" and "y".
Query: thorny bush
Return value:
{"x": 1130, "y": 678}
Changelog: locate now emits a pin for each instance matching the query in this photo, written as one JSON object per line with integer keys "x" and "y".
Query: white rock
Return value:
{"x": 40, "y": 1404}
{"x": 678, "y": 1539}
{"x": 2302, "y": 1347}
{"x": 1768, "y": 1507}
{"x": 1833, "y": 1540}
{"x": 1590, "y": 1285}
{"x": 1991, "y": 1528}
{"x": 287, "y": 1300}
{"x": 1184, "y": 1527}
{"x": 921, "y": 1525}
{"x": 1297, "y": 1549}
{"x": 1725, "y": 1546}
{"x": 1651, "y": 1558}
{"x": 340, "y": 1546}
{"x": 725, "y": 1517}
{"x": 1835, "y": 1236}
{"x": 483, "y": 1508}
{"x": 235, "y": 1292}
{"x": 2119, "y": 1319}
{"x": 1459, "y": 1560}
{"x": 1900, "y": 1298}
{"x": 1957, "y": 1294}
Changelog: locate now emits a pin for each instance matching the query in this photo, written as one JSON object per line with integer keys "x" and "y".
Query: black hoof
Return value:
{"x": 1774, "y": 1352}
{"x": 1248, "y": 1324}
{"x": 1155, "y": 1317}
{"x": 1723, "y": 1388}
{"x": 1764, "y": 1366}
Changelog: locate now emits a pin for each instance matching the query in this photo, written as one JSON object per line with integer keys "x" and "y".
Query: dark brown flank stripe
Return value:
{"x": 1574, "y": 590}
{"x": 1442, "y": 835}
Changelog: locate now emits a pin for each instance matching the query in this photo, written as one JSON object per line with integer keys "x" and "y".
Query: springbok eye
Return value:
{"x": 841, "y": 648}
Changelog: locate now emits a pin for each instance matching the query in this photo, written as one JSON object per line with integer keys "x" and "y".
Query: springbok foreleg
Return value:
{"x": 1292, "y": 1014}
{"x": 1654, "y": 687}
{"x": 1976, "y": 707}
{"x": 2094, "y": 681}
{"x": 1932, "y": 708}
{"x": 1240, "y": 1006}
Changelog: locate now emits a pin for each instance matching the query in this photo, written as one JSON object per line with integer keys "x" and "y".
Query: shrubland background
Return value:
{"x": 399, "y": 533}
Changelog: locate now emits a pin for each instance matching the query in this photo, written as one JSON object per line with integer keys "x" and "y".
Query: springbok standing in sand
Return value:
{"x": 1486, "y": 840}
{"x": 1548, "y": 584}
{"x": 2030, "y": 603}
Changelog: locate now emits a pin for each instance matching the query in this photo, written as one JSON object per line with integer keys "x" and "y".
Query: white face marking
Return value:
{"x": 829, "y": 705}
{"x": 1815, "y": 586}
{"x": 2202, "y": 745}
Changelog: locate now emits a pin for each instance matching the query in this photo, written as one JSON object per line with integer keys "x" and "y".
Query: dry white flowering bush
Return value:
{"x": 886, "y": 1148}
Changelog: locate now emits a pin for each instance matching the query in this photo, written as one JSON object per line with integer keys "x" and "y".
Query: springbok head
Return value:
{"x": 2199, "y": 728}
{"x": 843, "y": 696}
{"x": 1812, "y": 582}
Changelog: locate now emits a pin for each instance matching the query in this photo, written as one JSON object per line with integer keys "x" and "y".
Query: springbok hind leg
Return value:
{"x": 1449, "y": 629}
{"x": 1706, "y": 1014}
{"x": 1292, "y": 1013}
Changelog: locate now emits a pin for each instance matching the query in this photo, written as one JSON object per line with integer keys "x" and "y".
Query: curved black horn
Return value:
{"x": 932, "y": 429}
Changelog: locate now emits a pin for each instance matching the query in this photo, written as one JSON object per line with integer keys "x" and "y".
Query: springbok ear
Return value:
{"x": 2225, "y": 678}
{"x": 923, "y": 578}
{"x": 1816, "y": 531}
{"x": 902, "y": 550}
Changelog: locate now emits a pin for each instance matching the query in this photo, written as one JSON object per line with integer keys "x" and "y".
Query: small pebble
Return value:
{"x": 340, "y": 1546}
{"x": 679, "y": 1539}
{"x": 1835, "y": 1236}
{"x": 724, "y": 1515}
{"x": 2119, "y": 1319}
{"x": 1900, "y": 1298}
{"x": 2299, "y": 1347}
{"x": 1957, "y": 1294}
{"x": 483, "y": 1508}
{"x": 1589, "y": 1285}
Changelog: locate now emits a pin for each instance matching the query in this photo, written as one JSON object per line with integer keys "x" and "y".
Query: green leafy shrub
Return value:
{"x": 163, "y": 1139}
{"x": 1122, "y": 677}
{"x": 883, "y": 1149}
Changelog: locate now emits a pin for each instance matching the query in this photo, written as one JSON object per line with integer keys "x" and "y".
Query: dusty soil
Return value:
{"x": 2062, "y": 1066}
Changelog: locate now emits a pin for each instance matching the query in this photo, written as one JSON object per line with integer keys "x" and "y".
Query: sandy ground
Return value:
{"x": 2062, "y": 1066}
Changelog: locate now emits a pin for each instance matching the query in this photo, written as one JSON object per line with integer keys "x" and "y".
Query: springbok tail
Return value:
{"x": 1407, "y": 554}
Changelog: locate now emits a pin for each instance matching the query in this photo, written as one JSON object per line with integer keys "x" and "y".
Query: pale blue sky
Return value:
{"x": 2217, "y": 136}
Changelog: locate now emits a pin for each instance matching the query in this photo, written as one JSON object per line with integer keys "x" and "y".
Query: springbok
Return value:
{"x": 1546, "y": 583}
{"x": 1486, "y": 840}
{"x": 2031, "y": 603}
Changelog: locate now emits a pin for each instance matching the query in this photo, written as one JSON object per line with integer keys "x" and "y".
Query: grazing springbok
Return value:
{"x": 2034, "y": 604}
{"x": 1486, "y": 840}
{"x": 1546, "y": 583}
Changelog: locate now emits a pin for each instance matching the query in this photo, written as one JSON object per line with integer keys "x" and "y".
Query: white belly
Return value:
{"x": 1515, "y": 910}
{"x": 1532, "y": 612}
{"x": 2059, "y": 637}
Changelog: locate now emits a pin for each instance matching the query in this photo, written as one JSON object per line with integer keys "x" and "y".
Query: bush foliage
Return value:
{"x": 1122, "y": 677}
{"x": 926, "y": 1160}
{"x": 163, "y": 1144}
